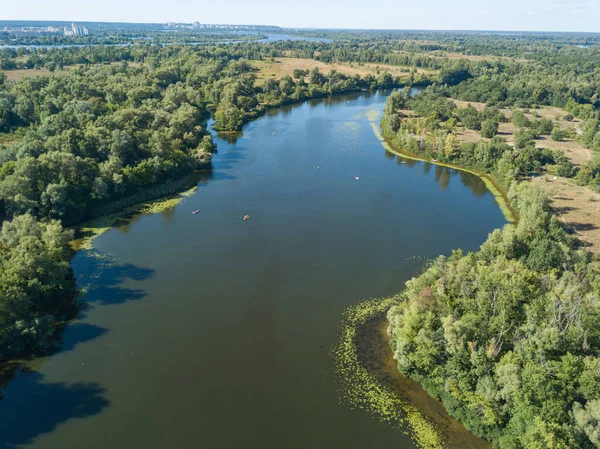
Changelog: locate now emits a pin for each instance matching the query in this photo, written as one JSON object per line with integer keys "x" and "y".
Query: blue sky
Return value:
{"x": 530, "y": 15}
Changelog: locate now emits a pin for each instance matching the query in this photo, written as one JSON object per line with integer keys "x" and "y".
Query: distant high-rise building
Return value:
{"x": 76, "y": 30}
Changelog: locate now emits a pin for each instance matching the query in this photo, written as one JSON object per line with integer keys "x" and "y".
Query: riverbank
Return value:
{"x": 493, "y": 186}
{"x": 370, "y": 381}
{"x": 361, "y": 388}
{"x": 459, "y": 325}
{"x": 89, "y": 230}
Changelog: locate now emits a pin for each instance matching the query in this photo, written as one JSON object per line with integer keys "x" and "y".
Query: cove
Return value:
{"x": 210, "y": 331}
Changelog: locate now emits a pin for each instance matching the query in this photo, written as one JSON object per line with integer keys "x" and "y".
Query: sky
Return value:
{"x": 510, "y": 15}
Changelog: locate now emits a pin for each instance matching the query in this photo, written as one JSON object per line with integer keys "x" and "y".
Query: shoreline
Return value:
{"x": 362, "y": 390}
{"x": 374, "y": 351}
{"x": 499, "y": 193}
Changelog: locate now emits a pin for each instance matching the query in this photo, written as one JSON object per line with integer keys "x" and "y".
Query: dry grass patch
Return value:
{"x": 464, "y": 135}
{"x": 463, "y": 104}
{"x": 16, "y": 75}
{"x": 571, "y": 148}
{"x": 577, "y": 206}
{"x": 279, "y": 67}
{"x": 8, "y": 139}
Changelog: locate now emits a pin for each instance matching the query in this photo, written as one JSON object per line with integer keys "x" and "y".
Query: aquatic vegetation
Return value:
{"x": 91, "y": 230}
{"x": 362, "y": 390}
{"x": 189, "y": 192}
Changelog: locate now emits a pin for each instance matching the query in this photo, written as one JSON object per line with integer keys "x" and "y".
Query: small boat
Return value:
{"x": 246, "y": 217}
{"x": 195, "y": 212}
{"x": 273, "y": 133}
{"x": 318, "y": 166}
{"x": 357, "y": 178}
{"x": 403, "y": 162}
{"x": 433, "y": 160}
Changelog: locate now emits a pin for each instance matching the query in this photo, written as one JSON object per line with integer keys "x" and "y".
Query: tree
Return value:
{"x": 519, "y": 120}
{"x": 489, "y": 128}
{"x": 558, "y": 134}
{"x": 450, "y": 145}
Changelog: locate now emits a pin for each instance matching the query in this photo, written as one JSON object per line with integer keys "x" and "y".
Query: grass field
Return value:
{"x": 16, "y": 75}
{"x": 7, "y": 139}
{"x": 279, "y": 67}
{"x": 577, "y": 206}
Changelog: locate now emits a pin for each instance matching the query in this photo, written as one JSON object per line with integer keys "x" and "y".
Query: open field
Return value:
{"x": 8, "y": 139}
{"x": 16, "y": 75}
{"x": 279, "y": 67}
{"x": 577, "y": 206}
{"x": 457, "y": 56}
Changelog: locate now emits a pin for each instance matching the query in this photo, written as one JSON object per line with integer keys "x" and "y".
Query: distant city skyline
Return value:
{"x": 498, "y": 15}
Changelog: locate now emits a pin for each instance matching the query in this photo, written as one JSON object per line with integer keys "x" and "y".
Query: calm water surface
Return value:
{"x": 209, "y": 331}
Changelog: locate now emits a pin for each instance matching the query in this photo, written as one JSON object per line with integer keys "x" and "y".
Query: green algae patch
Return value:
{"x": 361, "y": 390}
{"x": 372, "y": 115}
{"x": 90, "y": 230}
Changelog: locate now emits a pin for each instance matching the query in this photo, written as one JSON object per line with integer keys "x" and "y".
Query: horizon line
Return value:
{"x": 308, "y": 28}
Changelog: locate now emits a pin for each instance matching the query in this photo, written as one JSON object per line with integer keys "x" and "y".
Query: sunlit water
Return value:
{"x": 210, "y": 331}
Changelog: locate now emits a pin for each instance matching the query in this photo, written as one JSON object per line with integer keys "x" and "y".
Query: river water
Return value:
{"x": 210, "y": 331}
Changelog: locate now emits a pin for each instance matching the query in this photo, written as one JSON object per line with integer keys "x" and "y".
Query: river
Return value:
{"x": 265, "y": 40}
{"x": 210, "y": 331}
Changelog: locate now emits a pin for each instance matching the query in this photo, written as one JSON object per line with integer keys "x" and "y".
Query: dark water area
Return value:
{"x": 210, "y": 331}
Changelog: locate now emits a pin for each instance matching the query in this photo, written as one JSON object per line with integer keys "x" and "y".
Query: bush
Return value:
{"x": 519, "y": 120}
{"x": 489, "y": 128}
{"x": 558, "y": 134}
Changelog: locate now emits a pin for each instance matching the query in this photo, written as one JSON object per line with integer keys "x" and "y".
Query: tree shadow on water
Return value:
{"x": 32, "y": 407}
{"x": 77, "y": 333}
{"x": 103, "y": 280}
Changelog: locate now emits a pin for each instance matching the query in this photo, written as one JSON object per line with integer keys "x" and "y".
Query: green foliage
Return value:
{"x": 432, "y": 105}
{"x": 508, "y": 337}
{"x": 36, "y": 284}
{"x": 489, "y": 128}
{"x": 299, "y": 73}
{"x": 558, "y": 134}
{"x": 519, "y": 119}
{"x": 469, "y": 117}
{"x": 542, "y": 126}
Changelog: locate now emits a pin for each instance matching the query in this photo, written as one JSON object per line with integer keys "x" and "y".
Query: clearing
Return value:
{"x": 279, "y": 67}
{"x": 16, "y": 75}
{"x": 577, "y": 206}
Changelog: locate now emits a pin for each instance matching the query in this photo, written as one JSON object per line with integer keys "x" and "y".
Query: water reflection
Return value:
{"x": 32, "y": 407}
